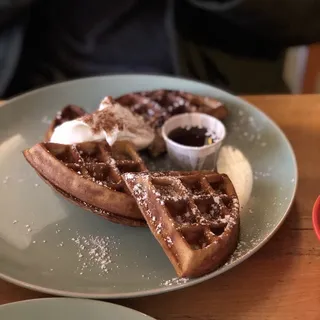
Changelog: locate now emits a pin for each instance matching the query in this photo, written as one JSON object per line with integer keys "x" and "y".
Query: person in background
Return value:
{"x": 235, "y": 44}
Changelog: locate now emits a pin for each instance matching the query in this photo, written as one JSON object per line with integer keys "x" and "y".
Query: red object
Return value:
{"x": 316, "y": 217}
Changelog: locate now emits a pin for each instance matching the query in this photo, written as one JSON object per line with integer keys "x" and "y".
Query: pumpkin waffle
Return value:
{"x": 195, "y": 218}
{"x": 159, "y": 105}
{"x": 89, "y": 174}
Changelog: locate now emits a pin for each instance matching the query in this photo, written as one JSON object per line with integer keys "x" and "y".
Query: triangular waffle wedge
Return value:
{"x": 159, "y": 105}
{"x": 195, "y": 218}
{"x": 68, "y": 113}
{"x": 89, "y": 174}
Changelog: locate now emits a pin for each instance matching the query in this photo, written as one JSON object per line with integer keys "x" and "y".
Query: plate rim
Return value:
{"x": 191, "y": 282}
{"x": 82, "y": 301}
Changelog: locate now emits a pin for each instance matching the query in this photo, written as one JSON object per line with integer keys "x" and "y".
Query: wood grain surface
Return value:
{"x": 282, "y": 280}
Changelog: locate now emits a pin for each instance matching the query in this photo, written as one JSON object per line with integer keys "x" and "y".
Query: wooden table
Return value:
{"x": 282, "y": 280}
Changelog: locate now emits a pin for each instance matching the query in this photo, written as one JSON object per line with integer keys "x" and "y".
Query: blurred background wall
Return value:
{"x": 301, "y": 71}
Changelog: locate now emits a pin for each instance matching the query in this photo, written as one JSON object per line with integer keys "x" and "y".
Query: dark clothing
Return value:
{"x": 46, "y": 41}
{"x": 69, "y": 39}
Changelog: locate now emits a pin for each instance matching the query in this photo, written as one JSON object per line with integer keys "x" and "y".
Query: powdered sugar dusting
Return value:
{"x": 95, "y": 252}
{"x": 140, "y": 193}
{"x": 173, "y": 282}
{"x": 159, "y": 228}
{"x": 243, "y": 248}
{"x": 225, "y": 219}
{"x": 248, "y": 128}
{"x": 168, "y": 192}
{"x": 169, "y": 241}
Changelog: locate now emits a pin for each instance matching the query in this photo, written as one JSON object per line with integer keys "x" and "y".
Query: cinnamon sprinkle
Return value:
{"x": 103, "y": 120}
{"x": 113, "y": 117}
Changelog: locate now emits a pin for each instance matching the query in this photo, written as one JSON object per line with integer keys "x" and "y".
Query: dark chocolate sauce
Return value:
{"x": 191, "y": 136}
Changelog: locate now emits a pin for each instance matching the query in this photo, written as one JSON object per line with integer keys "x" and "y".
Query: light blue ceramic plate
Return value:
{"x": 69, "y": 309}
{"x": 51, "y": 245}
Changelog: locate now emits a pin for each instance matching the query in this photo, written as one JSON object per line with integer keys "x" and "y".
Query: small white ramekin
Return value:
{"x": 194, "y": 158}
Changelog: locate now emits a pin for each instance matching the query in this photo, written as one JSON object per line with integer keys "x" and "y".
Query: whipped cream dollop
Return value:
{"x": 112, "y": 122}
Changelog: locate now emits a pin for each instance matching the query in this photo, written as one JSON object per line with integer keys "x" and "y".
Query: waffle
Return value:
{"x": 68, "y": 113}
{"x": 194, "y": 217}
{"x": 89, "y": 174}
{"x": 159, "y": 105}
